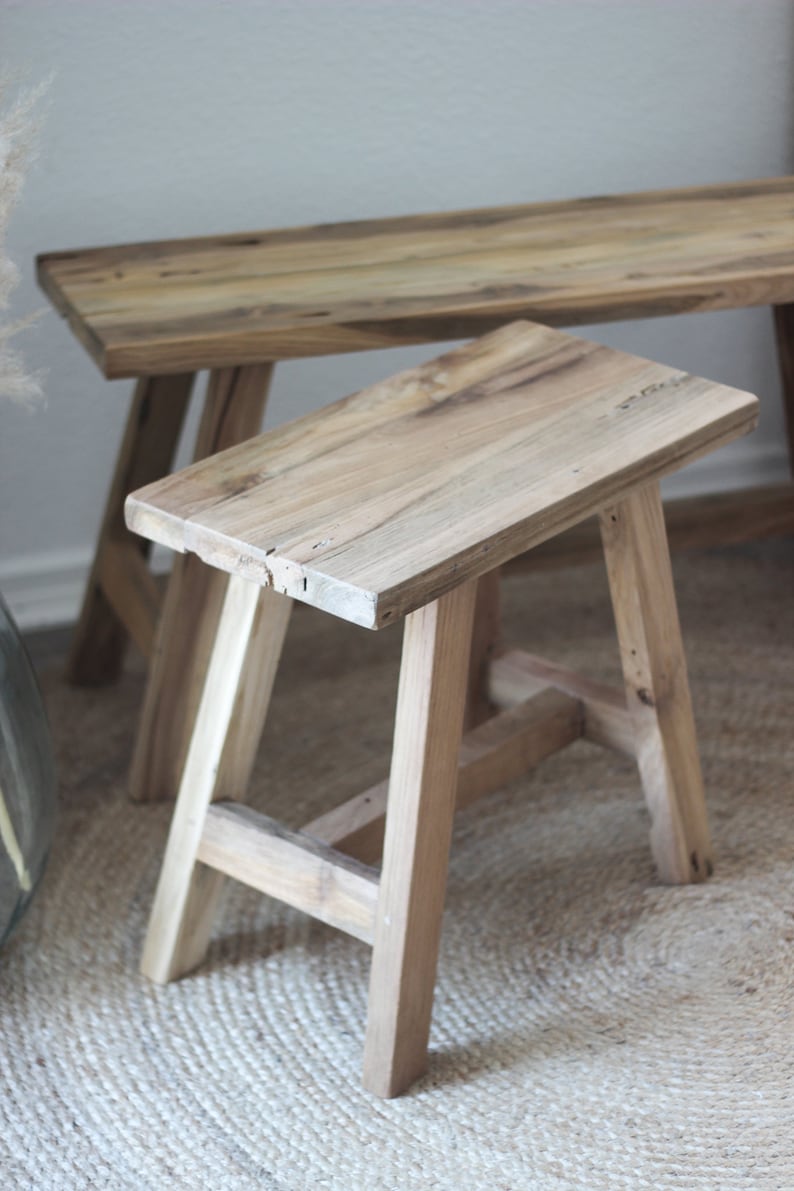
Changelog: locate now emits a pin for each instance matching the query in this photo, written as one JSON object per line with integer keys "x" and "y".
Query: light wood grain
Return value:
{"x": 490, "y": 756}
{"x": 218, "y": 301}
{"x": 154, "y": 423}
{"x": 428, "y": 726}
{"x": 382, "y": 502}
{"x": 657, "y": 689}
{"x": 291, "y": 866}
{"x": 187, "y": 891}
{"x": 233, "y": 411}
{"x": 516, "y": 675}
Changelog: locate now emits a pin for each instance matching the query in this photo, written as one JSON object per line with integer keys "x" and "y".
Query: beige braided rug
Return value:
{"x": 592, "y": 1029}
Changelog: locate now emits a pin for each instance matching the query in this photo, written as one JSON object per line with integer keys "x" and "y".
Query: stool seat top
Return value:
{"x": 219, "y": 301}
{"x": 379, "y": 503}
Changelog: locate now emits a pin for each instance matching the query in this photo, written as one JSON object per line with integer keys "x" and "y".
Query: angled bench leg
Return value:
{"x": 147, "y": 449}
{"x": 784, "y": 334}
{"x": 233, "y": 411}
{"x": 237, "y": 688}
{"x": 657, "y": 689}
{"x": 421, "y": 804}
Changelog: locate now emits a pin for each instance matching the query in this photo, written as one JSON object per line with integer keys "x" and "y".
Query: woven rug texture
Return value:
{"x": 592, "y": 1028}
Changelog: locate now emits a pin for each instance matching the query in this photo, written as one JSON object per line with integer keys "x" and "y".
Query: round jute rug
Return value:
{"x": 592, "y": 1028}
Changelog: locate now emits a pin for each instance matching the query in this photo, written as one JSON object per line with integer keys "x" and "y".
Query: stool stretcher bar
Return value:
{"x": 490, "y": 756}
{"x": 319, "y": 870}
{"x": 516, "y": 674}
{"x": 291, "y": 866}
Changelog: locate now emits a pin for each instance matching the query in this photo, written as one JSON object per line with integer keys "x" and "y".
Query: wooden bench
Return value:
{"x": 394, "y": 504}
{"x": 236, "y": 304}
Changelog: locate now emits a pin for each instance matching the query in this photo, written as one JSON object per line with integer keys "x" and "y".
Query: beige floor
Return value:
{"x": 592, "y": 1028}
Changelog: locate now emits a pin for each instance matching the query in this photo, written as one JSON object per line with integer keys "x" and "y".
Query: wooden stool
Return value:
{"x": 394, "y": 503}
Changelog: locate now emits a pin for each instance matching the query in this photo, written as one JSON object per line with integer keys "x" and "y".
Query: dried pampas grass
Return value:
{"x": 19, "y": 124}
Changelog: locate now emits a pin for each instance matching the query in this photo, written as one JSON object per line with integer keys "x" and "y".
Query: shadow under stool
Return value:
{"x": 395, "y": 504}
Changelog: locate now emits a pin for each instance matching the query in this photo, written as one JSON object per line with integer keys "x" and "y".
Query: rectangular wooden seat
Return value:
{"x": 384, "y": 501}
{"x": 221, "y": 301}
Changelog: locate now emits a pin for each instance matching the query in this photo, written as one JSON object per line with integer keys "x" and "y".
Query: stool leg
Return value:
{"x": 428, "y": 726}
{"x": 654, "y": 668}
{"x": 233, "y": 411}
{"x": 147, "y": 449}
{"x": 485, "y": 641}
{"x": 237, "y": 687}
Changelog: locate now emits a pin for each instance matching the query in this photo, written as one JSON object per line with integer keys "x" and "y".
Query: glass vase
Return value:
{"x": 27, "y": 778}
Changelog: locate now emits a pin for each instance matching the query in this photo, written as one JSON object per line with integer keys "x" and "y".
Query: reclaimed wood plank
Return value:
{"x": 216, "y": 301}
{"x": 387, "y": 499}
{"x": 291, "y": 866}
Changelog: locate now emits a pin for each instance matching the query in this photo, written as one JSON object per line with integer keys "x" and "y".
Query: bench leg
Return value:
{"x": 109, "y": 611}
{"x": 654, "y": 668}
{"x": 237, "y": 688}
{"x": 784, "y": 334}
{"x": 421, "y": 804}
{"x": 233, "y": 411}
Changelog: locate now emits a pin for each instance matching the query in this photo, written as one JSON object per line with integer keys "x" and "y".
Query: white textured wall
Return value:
{"x": 184, "y": 117}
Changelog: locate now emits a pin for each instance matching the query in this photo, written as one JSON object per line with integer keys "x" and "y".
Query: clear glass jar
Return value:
{"x": 27, "y": 778}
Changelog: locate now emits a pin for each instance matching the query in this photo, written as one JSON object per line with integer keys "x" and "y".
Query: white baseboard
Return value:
{"x": 46, "y": 589}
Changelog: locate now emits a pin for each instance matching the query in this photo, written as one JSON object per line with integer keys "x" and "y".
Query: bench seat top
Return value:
{"x": 221, "y": 301}
{"x": 379, "y": 503}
